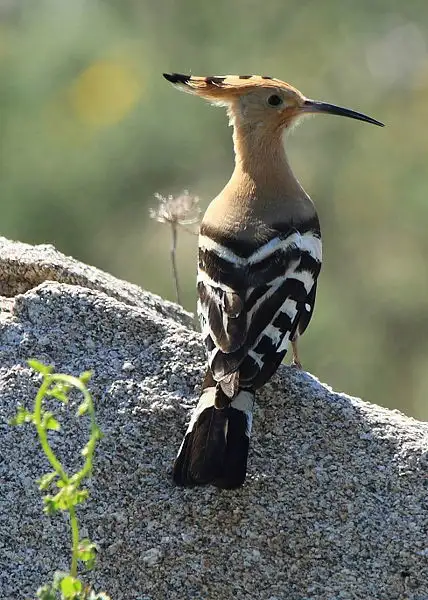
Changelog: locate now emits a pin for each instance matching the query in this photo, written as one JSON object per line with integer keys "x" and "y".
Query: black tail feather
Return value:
{"x": 215, "y": 447}
{"x": 235, "y": 460}
{"x": 209, "y": 444}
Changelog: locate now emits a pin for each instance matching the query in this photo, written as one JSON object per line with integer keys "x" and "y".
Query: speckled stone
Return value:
{"x": 335, "y": 504}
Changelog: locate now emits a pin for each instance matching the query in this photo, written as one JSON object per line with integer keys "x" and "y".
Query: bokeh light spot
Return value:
{"x": 105, "y": 93}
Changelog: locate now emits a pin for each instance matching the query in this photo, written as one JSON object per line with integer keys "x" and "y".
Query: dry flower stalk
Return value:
{"x": 183, "y": 211}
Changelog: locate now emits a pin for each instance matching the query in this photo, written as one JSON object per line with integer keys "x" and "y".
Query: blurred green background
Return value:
{"x": 89, "y": 131}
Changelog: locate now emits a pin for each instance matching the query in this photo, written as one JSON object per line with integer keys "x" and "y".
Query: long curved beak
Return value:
{"x": 313, "y": 106}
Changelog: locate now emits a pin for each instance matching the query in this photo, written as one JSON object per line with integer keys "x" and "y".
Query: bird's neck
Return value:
{"x": 260, "y": 158}
{"x": 262, "y": 191}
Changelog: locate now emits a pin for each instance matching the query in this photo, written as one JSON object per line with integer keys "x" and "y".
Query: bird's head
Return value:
{"x": 259, "y": 101}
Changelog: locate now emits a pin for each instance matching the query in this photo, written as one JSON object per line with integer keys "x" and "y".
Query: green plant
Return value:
{"x": 67, "y": 490}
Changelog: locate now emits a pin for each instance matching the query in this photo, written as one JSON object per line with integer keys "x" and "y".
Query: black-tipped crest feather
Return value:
{"x": 176, "y": 77}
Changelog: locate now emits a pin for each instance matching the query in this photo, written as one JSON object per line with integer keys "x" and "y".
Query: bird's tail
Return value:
{"x": 215, "y": 447}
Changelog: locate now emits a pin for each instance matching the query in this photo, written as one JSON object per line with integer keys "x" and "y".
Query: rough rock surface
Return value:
{"x": 335, "y": 505}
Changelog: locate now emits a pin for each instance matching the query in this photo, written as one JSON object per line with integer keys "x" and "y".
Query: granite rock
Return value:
{"x": 334, "y": 507}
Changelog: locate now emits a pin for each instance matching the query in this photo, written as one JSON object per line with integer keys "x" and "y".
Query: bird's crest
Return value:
{"x": 223, "y": 87}
{"x": 286, "y": 99}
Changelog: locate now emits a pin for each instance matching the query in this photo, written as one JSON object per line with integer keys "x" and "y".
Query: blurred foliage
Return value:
{"x": 89, "y": 132}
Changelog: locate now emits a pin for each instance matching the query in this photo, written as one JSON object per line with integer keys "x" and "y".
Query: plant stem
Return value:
{"x": 42, "y": 433}
{"x": 74, "y": 481}
{"x": 173, "y": 260}
{"x": 95, "y": 432}
{"x": 74, "y": 540}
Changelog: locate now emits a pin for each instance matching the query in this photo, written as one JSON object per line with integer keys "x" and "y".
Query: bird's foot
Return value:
{"x": 295, "y": 362}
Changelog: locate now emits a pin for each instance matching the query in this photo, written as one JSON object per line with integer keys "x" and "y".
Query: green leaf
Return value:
{"x": 58, "y": 394}
{"x": 83, "y": 408}
{"x": 59, "y": 389}
{"x": 49, "y": 422}
{"x": 45, "y": 481}
{"x": 75, "y": 479}
{"x": 80, "y": 496}
{"x": 68, "y": 381}
{"x": 85, "y": 450}
{"x": 22, "y": 416}
{"x": 67, "y": 497}
{"x": 58, "y": 577}
{"x": 39, "y": 367}
{"x": 85, "y": 377}
{"x": 70, "y": 587}
{"x": 87, "y": 553}
{"x": 51, "y": 505}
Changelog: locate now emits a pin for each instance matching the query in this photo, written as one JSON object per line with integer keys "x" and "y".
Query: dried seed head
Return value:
{"x": 180, "y": 210}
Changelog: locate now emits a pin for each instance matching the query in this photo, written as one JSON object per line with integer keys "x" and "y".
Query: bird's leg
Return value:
{"x": 296, "y": 361}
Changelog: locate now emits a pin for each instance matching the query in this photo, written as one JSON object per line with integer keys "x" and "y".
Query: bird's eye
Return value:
{"x": 274, "y": 100}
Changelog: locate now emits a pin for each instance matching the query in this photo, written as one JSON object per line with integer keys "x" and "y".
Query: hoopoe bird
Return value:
{"x": 259, "y": 260}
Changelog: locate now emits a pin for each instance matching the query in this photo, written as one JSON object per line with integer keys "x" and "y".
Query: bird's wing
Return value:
{"x": 250, "y": 306}
{"x": 307, "y": 310}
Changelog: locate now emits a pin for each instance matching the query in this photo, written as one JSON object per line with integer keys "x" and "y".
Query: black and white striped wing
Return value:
{"x": 251, "y": 304}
